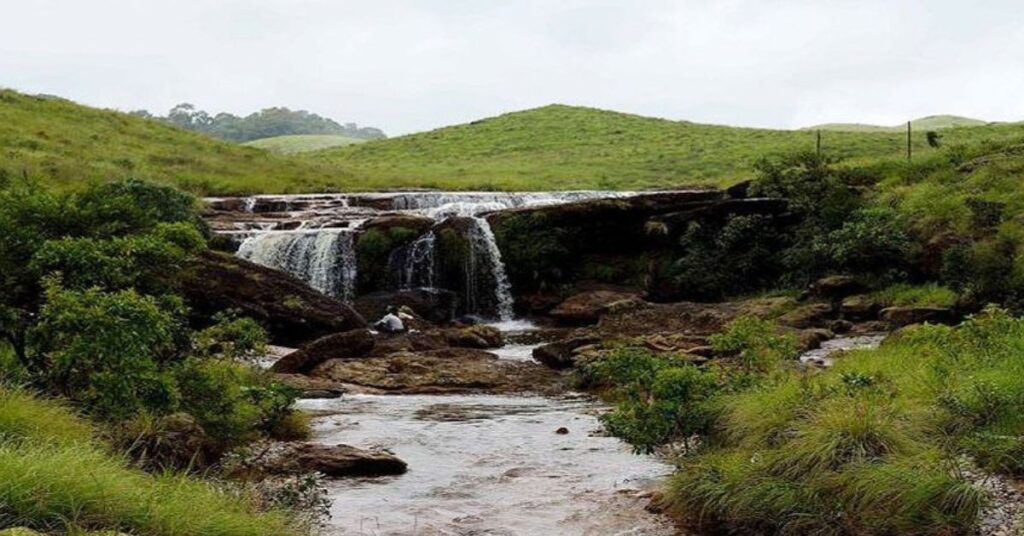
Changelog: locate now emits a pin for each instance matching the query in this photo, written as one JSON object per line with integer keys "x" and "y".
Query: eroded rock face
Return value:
{"x": 477, "y": 336}
{"x": 291, "y": 311}
{"x": 355, "y": 343}
{"x": 808, "y": 316}
{"x": 561, "y": 354}
{"x": 836, "y": 287}
{"x": 334, "y": 461}
{"x": 859, "y": 307}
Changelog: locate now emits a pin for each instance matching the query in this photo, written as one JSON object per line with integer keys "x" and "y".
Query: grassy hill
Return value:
{"x": 63, "y": 144}
{"x": 564, "y": 147}
{"x": 931, "y": 122}
{"x": 301, "y": 143}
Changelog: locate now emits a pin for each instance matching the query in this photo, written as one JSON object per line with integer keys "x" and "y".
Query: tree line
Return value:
{"x": 266, "y": 123}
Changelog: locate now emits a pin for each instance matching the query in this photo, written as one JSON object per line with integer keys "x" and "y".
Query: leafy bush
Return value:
{"x": 661, "y": 399}
{"x": 873, "y": 241}
{"x": 755, "y": 344}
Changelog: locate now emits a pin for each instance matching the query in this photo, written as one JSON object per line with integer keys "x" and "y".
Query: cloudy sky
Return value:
{"x": 410, "y": 65}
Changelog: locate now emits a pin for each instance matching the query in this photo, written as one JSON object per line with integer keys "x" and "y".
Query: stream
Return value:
{"x": 489, "y": 465}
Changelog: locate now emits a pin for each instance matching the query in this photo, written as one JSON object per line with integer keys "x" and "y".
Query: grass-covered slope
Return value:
{"x": 63, "y": 145}
{"x": 54, "y": 475}
{"x": 931, "y": 122}
{"x": 564, "y": 147}
{"x": 301, "y": 143}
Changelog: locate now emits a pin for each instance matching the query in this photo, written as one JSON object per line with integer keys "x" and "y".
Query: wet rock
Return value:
{"x": 873, "y": 326}
{"x": 840, "y": 326}
{"x": 904, "y": 316}
{"x": 835, "y": 287}
{"x": 859, "y": 307}
{"x": 806, "y": 316}
{"x": 416, "y": 341}
{"x": 478, "y": 336}
{"x": 560, "y": 354}
{"x": 562, "y": 431}
{"x": 448, "y": 370}
{"x": 355, "y": 343}
{"x": 310, "y": 387}
{"x": 810, "y": 339}
{"x": 291, "y": 311}
{"x": 334, "y": 461}
{"x": 416, "y": 224}
{"x": 588, "y": 307}
{"x": 438, "y": 306}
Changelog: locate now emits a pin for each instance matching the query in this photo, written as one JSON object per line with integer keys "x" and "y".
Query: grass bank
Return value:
{"x": 53, "y": 475}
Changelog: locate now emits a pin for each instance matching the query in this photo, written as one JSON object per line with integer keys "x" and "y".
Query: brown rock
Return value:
{"x": 477, "y": 336}
{"x": 335, "y": 461}
{"x": 438, "y": 306}
{"x": 419, "y": 341}
{"x": 806, "y": 316}
{"x": 904, "y": 316}
{"x": 859, "y": 307}
{"x": 836, "y": 287}
{"x": 562, "y": 431}
{"x": 810, "y": 339}
{"x": 355, "y": 343}
{"x": 560, "y": 354}
{"x": 588, "y": 307}
{"x": 290, "y": 310}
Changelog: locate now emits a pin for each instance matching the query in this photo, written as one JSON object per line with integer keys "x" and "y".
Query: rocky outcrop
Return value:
{"x": 291, "y": 311}
{"x": 355, "y": 343}
{"x": 447, "y": 370}
{"x": 905, "y": 316}
{"x": 333, "y": 461}
{"x": 561, "y": 354}
{"x": 835, "y": 287}
{"x": 808, "y": 316}
{"x": 439, "y": 306}
{"x": 859, "y": 307}
{"x": 589, "y": 307}
{"x": 478, "y": 336}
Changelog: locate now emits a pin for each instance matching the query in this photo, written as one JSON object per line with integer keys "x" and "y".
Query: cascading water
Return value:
{"x": 484, "y": 256}
{"x": 324, "y": 259}
{"x": 311, "y": 237}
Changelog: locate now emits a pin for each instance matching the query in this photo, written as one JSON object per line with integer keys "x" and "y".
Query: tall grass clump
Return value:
{"x": 875, "y": 445}
{"x": 53, "y": 475}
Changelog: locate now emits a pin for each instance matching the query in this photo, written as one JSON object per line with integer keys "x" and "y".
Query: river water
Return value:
{"x": 489, "y": 465}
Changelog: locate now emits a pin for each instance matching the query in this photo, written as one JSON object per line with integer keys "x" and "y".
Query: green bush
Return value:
{"x": 873, "y": 241}
{"x": 755, "y": 343}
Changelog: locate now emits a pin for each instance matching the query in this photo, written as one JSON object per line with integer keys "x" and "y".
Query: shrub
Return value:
{"x": 873, "y": 241}
{"x": 755, "y": 343}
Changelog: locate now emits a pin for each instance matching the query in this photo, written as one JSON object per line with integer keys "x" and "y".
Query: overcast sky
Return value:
{"x": 413, "y": 65}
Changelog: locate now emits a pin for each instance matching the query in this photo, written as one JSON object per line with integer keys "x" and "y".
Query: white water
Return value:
{"x": 488, "y": 465}
{"x": 323, "y": 259}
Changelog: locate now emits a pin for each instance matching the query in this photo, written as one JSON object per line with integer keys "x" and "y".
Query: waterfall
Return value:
{"x": 324, "y": 259}
{"x": 414, "y": 264}
{"x": 484, "y": 254}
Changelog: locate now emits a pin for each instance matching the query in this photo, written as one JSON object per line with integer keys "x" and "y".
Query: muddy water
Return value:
{"x": 489, "y": 465}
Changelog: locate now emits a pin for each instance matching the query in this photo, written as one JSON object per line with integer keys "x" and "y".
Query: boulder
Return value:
{"x": 409, "y": 341}
{"x": 334, "y": 461}
{"x": 835, "y": 287}
{"x": 589, "y": 307}
{"x": 811, "y": 339}
{"x": 477, "y": 336}
{"x": 905, "y": 316}
{"x": 291, "y": 311}
{"x": 859, "y": 307}
{"x": 354, "y": 343}
{"x": 435, "y": 305}
{"x": 807, "y": 316}
{"x": 559, "y": 355}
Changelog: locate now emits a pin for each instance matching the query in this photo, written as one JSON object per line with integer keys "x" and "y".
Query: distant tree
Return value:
{"x": 933, "y": 138}
{"x": 266, "y": 123}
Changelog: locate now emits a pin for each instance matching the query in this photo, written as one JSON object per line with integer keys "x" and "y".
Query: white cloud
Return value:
{"x": 418, "y": 64}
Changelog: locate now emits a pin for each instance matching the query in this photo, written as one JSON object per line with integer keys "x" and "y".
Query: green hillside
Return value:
{"x": 301, "y": 143}
{"x": 931, "y": 122}
{"x": 564, "y": 147}
{"x": 64, "y": 144}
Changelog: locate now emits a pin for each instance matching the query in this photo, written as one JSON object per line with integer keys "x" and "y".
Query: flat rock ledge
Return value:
{"x": 334, "y": 461}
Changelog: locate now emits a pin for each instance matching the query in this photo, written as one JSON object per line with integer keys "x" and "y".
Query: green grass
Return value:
{"x": 932, "y": 122}
{"x": 870, "y": 446}
{"x": 64, "y": 145}
{"x": 556, "y": 147}
{"x": 53, "y": 475}
{"x": 906, "y": 295}
{"x": 565, "y": 147}
{"x": 302, "y": 143}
